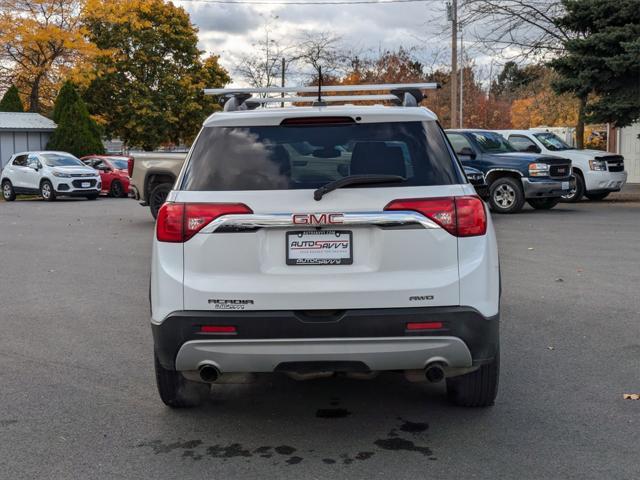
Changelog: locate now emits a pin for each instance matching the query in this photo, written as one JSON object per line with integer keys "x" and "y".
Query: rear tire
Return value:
{"x": 475, "y": 389}
{"x": 8, "y": 193}
{"x": 543, "y": 203}
{"x": 157, "y": 197}
{"x": 176, "y": 391}
{"x": 577, "y": 193}
{"x": 597, "y": 197}
{"x": 506, "y": 195}
{"x": 47, "y": 192}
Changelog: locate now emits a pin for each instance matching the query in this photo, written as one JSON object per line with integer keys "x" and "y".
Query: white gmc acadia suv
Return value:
{"x": 320, "y": 240}
{"x": 49, "y": 174}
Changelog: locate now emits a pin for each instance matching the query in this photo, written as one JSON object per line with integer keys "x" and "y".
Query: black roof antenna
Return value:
{"x": 319, "y": 102}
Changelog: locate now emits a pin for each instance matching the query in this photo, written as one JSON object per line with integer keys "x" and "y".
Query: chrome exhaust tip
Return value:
{"x": 208, "y": 373}
{"x": 434, "y": 372}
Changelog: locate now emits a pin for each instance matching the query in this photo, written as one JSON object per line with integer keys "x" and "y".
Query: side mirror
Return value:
{"x": 104, "y": 168}
{"x": 467, "y": 152}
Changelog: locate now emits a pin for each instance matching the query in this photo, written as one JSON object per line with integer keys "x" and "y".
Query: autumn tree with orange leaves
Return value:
{"x": 41, "y": 41}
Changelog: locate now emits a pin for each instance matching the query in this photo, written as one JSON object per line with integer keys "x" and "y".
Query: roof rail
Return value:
{"x": 405, "y": 94}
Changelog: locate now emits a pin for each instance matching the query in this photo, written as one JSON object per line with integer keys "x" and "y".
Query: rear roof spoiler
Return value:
{"x": 405, "y": 94}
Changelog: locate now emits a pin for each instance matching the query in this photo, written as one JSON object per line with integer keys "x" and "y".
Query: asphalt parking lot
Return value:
{"x": 78, "y": 396}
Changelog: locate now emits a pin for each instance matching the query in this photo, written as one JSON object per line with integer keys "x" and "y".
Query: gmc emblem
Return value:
{"x": 317, "y": 218}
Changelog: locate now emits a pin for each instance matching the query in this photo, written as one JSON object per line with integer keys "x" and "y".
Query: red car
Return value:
{"x": 113, "y": 173}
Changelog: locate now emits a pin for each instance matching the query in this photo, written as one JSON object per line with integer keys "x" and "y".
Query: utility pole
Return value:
{"x": 461, "y": 116}
{"x": 282, "y": 81}
{"x": 452, "y": 13}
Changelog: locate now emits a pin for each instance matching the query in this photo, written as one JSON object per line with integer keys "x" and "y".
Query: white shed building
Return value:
{"x": 629, "y": 147}
{"x": 23, "y": 131}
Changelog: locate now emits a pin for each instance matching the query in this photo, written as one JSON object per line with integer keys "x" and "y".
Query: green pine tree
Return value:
{"x": 601, "y": 64}
{"x": 76, "y": 133}
{"x": 11, "y": 101}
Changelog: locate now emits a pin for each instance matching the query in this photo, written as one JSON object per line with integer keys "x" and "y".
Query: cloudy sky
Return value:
{"x": 230, "y": 30}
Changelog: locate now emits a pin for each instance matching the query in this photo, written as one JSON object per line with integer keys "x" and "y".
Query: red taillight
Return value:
{"x": 178, "y": 222}
{"x": 472, "y": 218}
{"x": 460, "y": 216}
{"x": 304, "y": 121}
{"x": 440, "y": 210}
{"x": 218, "y": 329}
{"x": 130, "y": 166}
{"x": 169, "y": 224}
{"x": 424, "y": 326}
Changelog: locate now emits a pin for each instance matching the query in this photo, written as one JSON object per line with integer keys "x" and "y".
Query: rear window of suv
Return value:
{"x": 308, "y": 156}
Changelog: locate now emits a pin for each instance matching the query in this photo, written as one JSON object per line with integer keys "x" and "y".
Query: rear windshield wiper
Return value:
{"x": 353, "y": 180}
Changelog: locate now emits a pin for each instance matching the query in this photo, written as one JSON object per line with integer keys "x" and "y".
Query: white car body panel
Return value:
{"x": 389, "y": 266}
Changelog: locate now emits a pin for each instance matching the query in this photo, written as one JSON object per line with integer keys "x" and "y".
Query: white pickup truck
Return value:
{"x": 597, "y": 173}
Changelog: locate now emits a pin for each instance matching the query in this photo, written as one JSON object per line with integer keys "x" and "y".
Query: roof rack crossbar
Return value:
{"x": 405, "y": 94}
{"x": 331, "y": 98}
{"x": 325, "y": 88}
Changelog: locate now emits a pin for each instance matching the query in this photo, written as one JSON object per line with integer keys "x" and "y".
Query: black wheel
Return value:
{"x": 576, "y": 193}
{"x": 47, "y": 192}
{"x": 8, "y": 193}
{"x": 506, "y": 195}
{"x": 596, "y": 197}
{"x": 176, "y": 391}
{"x": 93, "y": 196}
{"x": 157, "y": 197}
{"x": 116, "y": 189}
{"x": 543, "y": 203}
{"x": 475, "y": 389}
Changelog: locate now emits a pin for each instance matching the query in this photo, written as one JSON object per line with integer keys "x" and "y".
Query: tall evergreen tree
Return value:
{"x": 76, "y": 133}
{"x": 11, "y": 101}
{"x": 601, "y": 65}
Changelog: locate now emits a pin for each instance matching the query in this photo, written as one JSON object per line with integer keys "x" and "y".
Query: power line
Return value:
{"x": 311, "y": 2}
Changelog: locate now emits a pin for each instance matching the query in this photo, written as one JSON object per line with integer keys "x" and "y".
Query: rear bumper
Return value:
{"x": 541, "y": 188}
{"x": 375, "y": 338}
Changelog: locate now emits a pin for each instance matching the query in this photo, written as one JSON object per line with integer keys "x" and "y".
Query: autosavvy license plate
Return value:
{"x": 565, "y": 185}
{"x": 85, "y": 184}
{"x": 321, "y": 247}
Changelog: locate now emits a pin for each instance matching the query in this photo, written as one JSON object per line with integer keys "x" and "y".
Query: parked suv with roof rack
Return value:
{"x": 324, "y": 240}
{"x": 50, "y": 175}
{"x": 513, "y": 177}
{"x": 597, "y": 173}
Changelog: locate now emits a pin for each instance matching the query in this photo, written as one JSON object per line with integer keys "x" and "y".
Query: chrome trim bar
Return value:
{"x": 285, "y": 220}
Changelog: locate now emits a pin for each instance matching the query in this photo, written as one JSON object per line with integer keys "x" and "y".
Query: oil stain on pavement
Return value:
{"x": 195, "y": 450}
